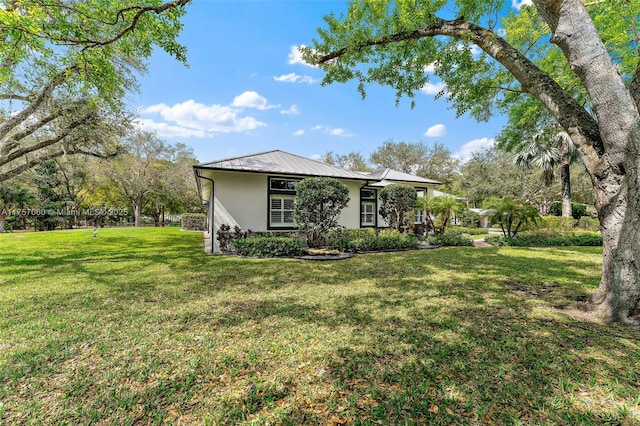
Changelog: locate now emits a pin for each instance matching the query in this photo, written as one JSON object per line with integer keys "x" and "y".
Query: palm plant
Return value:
{"x": 443, "y": 208}
{"x": 425, "y": 203}
{"x": 548, "y": 149}
{"x": 510, "y": 214}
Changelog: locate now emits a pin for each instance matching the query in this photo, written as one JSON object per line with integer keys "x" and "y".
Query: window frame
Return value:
{"x": 368, "y": 200}
{"x": 282, "y": 194}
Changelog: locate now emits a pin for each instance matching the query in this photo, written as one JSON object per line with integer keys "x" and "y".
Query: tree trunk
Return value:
{"x": 2, "y": 219}
{"x": 565, "y": 178}
{"x": 618, "y": 297}
{"x": 137, "y": 211}
{"x": 615, "y": 172}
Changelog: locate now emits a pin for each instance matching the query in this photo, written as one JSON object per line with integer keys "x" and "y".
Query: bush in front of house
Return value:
{"x": 376, "y": 243}
{"x": 317, "y": 207}
{"x": 227, "y": 235}
{"x": 268, "y": 247}
{"x": 449, "y": 240}
{"x": 193, "y": 221}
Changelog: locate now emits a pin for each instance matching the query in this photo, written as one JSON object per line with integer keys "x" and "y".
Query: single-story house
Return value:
{"x": 257, "y": 191}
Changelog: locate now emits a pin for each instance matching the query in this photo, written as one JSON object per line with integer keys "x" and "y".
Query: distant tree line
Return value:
{"x": 149, "y": 178}
{"x": 487, "y": 174}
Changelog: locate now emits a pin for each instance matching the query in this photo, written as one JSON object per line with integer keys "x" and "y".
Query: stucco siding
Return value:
{"x": 241, "y": 198}
{"x": 350, "y": 215}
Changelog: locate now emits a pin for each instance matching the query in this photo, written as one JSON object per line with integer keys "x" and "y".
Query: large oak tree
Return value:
{"x": 65, "y": 67}
{"x": 591, "y": 88}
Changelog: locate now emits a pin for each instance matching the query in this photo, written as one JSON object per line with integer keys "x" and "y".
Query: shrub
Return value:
{"x": 540, "y": 240}
{"x": 349, "y": 234}
{"x": 459, "y": 230}
{"x": 379, "y": 243}
{"x": 268, "y": 247}
{"x": 469, "y": 219}
{"x": 226, "y": 236}
{"x": 272, "y": 234}
{"x": 494, "y": 240}
{"x": 193, "y": 221}
{"x": 449, "y": 240}
{"x": 318, "y": 204}
{"x": 555, "y": 224}
{"x": 589, "y": 223}
{"x": 577, "y": 210}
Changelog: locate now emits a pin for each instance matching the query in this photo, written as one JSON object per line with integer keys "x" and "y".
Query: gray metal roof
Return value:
{"x": 396, "y": 176}
{"x": 281, "y": 162}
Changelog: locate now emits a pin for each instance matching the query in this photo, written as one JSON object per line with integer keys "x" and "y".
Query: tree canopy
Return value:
{"x": 559, "y": 60}
{"x": 65, "y": 69}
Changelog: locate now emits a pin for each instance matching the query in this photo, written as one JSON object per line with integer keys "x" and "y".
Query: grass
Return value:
{"x": 138, "y": 326}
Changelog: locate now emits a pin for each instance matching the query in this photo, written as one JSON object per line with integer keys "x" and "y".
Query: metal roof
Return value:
{"x": 281, "y": 162}
{"x": 394, "y": 175}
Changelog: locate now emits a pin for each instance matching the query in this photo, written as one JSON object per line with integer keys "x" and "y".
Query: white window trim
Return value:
{"x": 363, "y": 214}
{"x": 271, "y": 211}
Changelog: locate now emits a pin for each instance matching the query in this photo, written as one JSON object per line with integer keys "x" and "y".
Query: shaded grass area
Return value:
{"x": 139, "y": 326}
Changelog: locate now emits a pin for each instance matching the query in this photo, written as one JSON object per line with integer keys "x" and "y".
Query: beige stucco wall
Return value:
{"x": 242, "y": 198}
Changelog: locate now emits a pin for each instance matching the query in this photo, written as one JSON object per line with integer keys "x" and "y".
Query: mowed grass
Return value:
{"x": 138, "y": 326}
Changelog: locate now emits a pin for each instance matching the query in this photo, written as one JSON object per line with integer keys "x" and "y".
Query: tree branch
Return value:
{"x": 88, "y": 43}
{"x": 29, "y": 164}
{"x": 47, "y": 142}
{"x": 533, "y": 80}
{"x": 14, "y": 140}
{"x": 45, "y": 93}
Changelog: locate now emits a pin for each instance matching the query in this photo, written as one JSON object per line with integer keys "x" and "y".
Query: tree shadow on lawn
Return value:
{"x": 412, "y": 337}
{"x": 402, "y": 363}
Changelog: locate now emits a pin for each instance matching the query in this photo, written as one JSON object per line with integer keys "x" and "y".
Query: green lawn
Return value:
{"x": 140, "y": 326}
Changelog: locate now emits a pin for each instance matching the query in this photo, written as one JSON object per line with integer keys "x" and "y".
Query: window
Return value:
{"x": 284, "y": 185}
{"x": 281, "y": 210}
{"x": 282, "y": 192}
{"x": 419, "y": 216}
{"x": 367, "y": 207}
{"x": 368, "y": 213}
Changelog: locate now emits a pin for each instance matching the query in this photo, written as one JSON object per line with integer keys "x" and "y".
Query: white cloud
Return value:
{"x": 293, "y": 110}
{"x": 436, "y": 131}
{"x": 332, "y": 131}
{"x": 169, "y": 131}
{"x": 517, "y": 4}
{"x": 431, "y": 68}
{"x": 474, "y": 49}
{"x": 465, "y": 151}
{"x": 295, "y": 78}
{"x": 193, "y": 119}
{"x": 298, "y": 133}
{"x": 433, "y": 89}
{"x": 251, "y": 99}
{"x": 316, "y": 157}
{"x": 295, "y": 56}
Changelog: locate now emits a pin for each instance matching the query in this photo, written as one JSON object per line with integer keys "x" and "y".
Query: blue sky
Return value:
{"x": 246, "y": 91}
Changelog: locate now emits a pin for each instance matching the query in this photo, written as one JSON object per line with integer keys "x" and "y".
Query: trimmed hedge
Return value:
{"x": 544, "y": 241}
{"x": 193, "y": 221}
{"x": 459, "y": 230}
{"x": 373, "y": 243}
{"x": 449, "y": 240}
{"x": 268, "y": 247}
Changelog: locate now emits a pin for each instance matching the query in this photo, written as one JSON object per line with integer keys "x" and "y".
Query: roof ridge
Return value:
{"x": 240, "y": 156}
